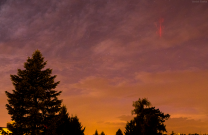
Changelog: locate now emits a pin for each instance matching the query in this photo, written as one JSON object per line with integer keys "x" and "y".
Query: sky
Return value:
{"x": 108, "y": 53}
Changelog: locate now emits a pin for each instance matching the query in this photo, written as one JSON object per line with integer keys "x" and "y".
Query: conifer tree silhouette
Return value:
{"x": 119, "y": 132}
{"x": 33, "y": 105}
{"x": 67, "y": 125}
{"x": 96, "y": 132}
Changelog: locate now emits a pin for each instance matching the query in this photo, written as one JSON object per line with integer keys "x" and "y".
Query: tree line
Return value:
{"x": 36, "y": 110}
{"x": 147, "y": 120}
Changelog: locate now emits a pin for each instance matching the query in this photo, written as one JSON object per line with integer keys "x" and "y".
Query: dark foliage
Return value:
{"x": 102, "y": 133}
{"x": 172, "y": 133}
{"x": 119, "y": 132}
{"x": 63, "y": 122}
{"x": 96, "y": 132}
{"x": 148, "y": 120}
{"x": 33, "y": 105}
{"x": 75, "y": 126}
{"x": 68, "y": 125}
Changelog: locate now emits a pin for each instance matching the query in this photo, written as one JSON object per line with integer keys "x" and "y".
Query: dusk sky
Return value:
{"x": 108, "y": 53}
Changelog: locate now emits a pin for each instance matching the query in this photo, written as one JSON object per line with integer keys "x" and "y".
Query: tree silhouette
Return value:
{"x": 63, "y": 122}
{"x": 68, "y": 125}
{"x": 102, "y": 133}
{"x": 172, "y": 133}
{"x": 148, "y": 120}
{"x": 119, "y": 132}
{"x": 11, "y": 127}
{"x": 34, "y": 103}
{"x": 96, "y": 132}
{"x": 75, "y": 126}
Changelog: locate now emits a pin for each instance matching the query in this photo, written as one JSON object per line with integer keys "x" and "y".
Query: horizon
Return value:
{"x": 107, "y": 54}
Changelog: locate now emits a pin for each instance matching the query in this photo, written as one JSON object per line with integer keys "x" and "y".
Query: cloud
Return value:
{"x": 116, "y": 123}
{"x": 186, "y": 125}
{"x": 126, "y": 117}
{"x": 154, "y": 86}
{"x": 103, "y": 37}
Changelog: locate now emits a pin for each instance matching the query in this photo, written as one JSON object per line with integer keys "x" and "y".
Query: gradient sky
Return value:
{"x": 108, "y": 53}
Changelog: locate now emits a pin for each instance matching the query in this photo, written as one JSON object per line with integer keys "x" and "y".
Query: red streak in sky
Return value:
{"x": 160, "y": 27}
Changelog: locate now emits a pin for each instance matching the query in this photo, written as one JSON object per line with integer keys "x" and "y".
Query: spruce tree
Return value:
{"x": 67, "y": 125}
{"x": 119, "y": 132}
{"x": 96, "y": 132}
{"x": 63, "y": 122}
{"x": 75, "y": 126}
{"x": 33, "y": 104}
